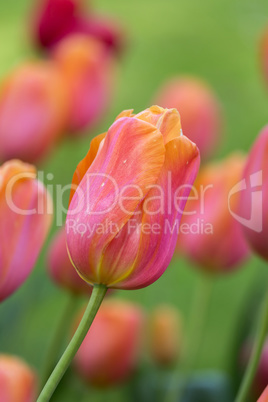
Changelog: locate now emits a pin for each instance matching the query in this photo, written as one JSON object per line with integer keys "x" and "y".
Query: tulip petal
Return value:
{"x": 85, "y": 163}
{"x": 130, "y": 160}
{"x": 166, "y": 120}
{"x": 158, "y": 241}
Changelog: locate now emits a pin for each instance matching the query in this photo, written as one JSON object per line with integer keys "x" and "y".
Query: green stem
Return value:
{"x": 95, "y": 301}
{"x": 256, "y": 353}
{"x": 198, "y": 320}
{"x": 196, "y": 329}
{"x": 58, "y": 335}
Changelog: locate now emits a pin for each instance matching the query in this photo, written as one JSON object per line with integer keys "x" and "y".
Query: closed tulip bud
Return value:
{"x": 25, "y": 216}
{"x": 57, "y": 19}
{"x": 131, "y": 188}
{"x": 32, "y": 112}
{"x": 211, "y": 235}
{"x": 61, "y": 269}
{"x": 254, "y": 197}
{"x": 264, "y": 54}
{"x": 87, "y": 68}
{"x": 199, "y": 108}
{"x": 18, "y": 382}
{"x": 264, "y": 396}
{"x": 110, "y": 350}
{"x": 165, "y": 335}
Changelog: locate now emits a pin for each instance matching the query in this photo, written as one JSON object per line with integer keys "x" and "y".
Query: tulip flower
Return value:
{"x": 260, "y": 380}
{"x": 25, "y": 216}
{"x": 264, "y": 54}
{"x": 254, "y": 196}
{"x": 61, "y": 269}
{"x": 123, "y": 218}
{"x": 165, "y": 335}
{"x": 199, "y": 109}
{"x": 87, "y": 69}
{"x": 264, "y": 396}
{"x": 33, "y": 111}
{"x": 57, "y": 19}
{"x": 18, "y": 381}
{"x": 210, "y": 234}
{"x": 110, "y": 350}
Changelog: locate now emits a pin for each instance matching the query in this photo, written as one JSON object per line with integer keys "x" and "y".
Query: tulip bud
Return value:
{"x": 165, "y": 335}
{"x": 87, "y": 69}
{"x": 211, "y": 235}
{"x": 123, "y": 219}
{"x": 25, "y": 216}
{"x": 17, "y": 380}
{"x": 199, "y": 109}
{"x": 264, "y": 396}
{"x": 261, "y": 376}
{"x": 110, "y": 350}
{"x": 264, "y": 54}
{"x": 254, "y": 197}
{"x": 32, "y": 112}
{"x": 61, "y": 269}
{"x": 57, "y": 19}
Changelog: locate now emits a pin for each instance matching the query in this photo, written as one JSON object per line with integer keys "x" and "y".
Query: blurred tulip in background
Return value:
{"x": 61, "y": 269}
{"x": 254, "y": 197}
{"x": 110, "y": 351}
{"x": 56, "y": 19}
{"x": 25, "y": 216}
{"x": 264, "y": 54}
{"x": 33, "y": 110}
{"x": 165, "y": 335}
{"x": 18, "y": 382}
{"x": 199, "y": 108}
{"x": 88, "y": 71}
{"x": 211, "y": 235}
{"x": 138, "y": 152}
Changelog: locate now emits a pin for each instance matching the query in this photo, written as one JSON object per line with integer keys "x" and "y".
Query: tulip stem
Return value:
{"x": 95, "y": 301}
{"x": 256, "y": 353}
{"x": 54, "y": 347}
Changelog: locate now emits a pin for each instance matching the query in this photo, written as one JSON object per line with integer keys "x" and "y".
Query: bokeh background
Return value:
{"x": 215, "y": 40}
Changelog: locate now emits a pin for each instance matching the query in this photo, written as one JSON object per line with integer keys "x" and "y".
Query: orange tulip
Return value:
{"x": 199, "y": 109}
{"x": 25, "y": 216}
{"x": 131, "y": 188}
{"x": 87, "y": 69}
{"x": 110, "y": 350}
{"x": 165, "y": 335}
{"x": 210, "y": 234}
{"x": 17, "y": 380}
{"x": 264, "y": 54}
{"x": 33, "y": 112}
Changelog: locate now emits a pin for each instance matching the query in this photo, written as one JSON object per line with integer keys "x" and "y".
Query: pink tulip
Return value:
{"x": 165, "y": 335}
{"x": 210, "y": 234}
{"x": 199, "y": 109}
{"x": 123, "y": 218}
{"x": 254, "y": 198}
{"x": 25, "y": 216}
{"x": 264, "y": 396}
{"x": 261, "y": 376}
{"x": 18, "y": 382}
{"x": 110, "y": 350}
{"x": 61, "y": 269}
{"x": 56, "y": 19}
{"x": 33, "y": 112}
{"x": 264, "y": 54}
{"x": 88, "y": 71}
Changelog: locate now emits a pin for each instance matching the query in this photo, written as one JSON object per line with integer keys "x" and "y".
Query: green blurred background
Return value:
{"x": 215, "y": 40}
